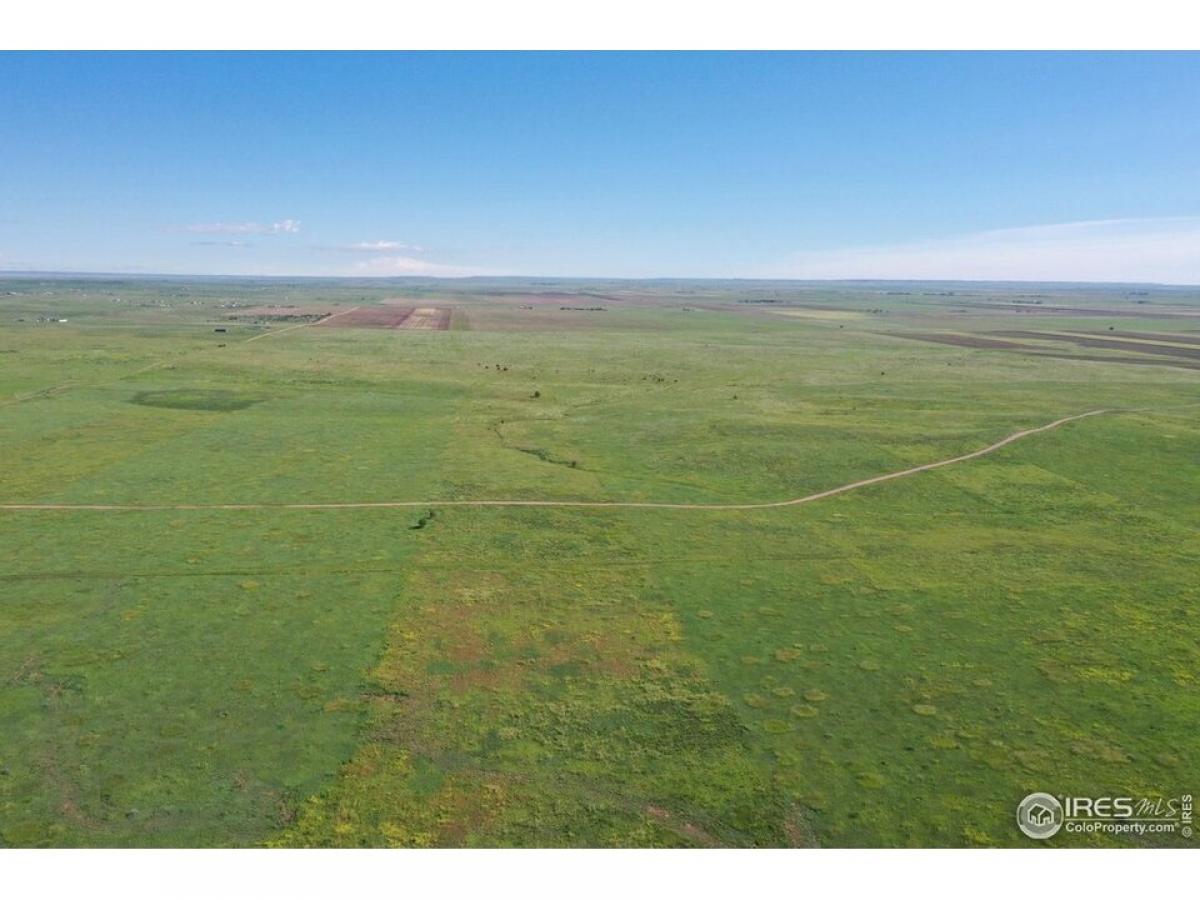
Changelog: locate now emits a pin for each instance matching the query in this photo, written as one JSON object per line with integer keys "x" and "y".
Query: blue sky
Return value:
{"x": 1075, "y": 166}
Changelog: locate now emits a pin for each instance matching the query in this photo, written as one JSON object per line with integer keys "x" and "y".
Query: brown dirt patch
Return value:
{"x": 1124, "y": 360}
{"x": 1097, "y": 343}
{"x": 958, "y": 340}
{"x": 689, "y": 830}
{"x": 799, "y": 833}
{"x": 427, "y": 318}
{"x": 982, "y": 343}
{"x": 556, "y": 299}
{"x": 540, "y": 318}
{"x": 389, "y": 315}
{"x": 370, "y": 317}
{"x": 1191, "y": 340}
{"x": 1144, "y": 312}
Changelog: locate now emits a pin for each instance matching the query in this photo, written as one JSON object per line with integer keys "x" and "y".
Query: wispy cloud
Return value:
{"x": 222, "y": 244}
{"x": 284, "y": 226}
{"x": 1165, "y": 250}
{"x": 371, "y": 247}
{"x": 411, "y": 265}
{"x": 380, "y": 247}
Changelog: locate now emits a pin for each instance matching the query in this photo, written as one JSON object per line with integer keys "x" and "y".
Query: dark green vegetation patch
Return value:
{"x": 198, "y": 399}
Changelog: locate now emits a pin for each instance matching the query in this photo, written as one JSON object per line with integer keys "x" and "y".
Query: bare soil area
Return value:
{"x": 1152, "y": 336}
{"x": 370, "y": 317}
{"x": 1143, "y": 312}
{"x": 427, "y": 318}
{"x": 1099, "y": 343}
{"x": 409, "y": 318}
{"x": 959, "y": 340}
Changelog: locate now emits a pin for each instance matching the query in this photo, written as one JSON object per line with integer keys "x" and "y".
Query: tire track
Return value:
{"x": 569, "y": 504}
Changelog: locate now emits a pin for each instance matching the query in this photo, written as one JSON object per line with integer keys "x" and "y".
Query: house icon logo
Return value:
{"x": 1039, "y": 816}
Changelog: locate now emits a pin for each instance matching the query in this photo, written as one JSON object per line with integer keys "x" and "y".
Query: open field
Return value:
{"x": 390, "y": 315}
{"x": 234, "y": 644}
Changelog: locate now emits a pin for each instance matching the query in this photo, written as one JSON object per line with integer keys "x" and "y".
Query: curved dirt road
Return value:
{"x": 605, "y": 504}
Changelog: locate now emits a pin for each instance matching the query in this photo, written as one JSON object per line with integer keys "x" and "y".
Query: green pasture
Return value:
{"x": 895, "y": 666}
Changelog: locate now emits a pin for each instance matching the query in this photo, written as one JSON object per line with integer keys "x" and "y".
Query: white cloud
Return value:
{"x": 1165, "y": 250}
{"x": 410, "y": 265}
{"x": 380, "y": 246}
{"x": 284, "y": 226}
{"x": 371, "y": 247}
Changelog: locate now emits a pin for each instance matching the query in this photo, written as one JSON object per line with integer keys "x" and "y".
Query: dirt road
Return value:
{"x": 589, "y": 504}
{"x": 259, "y": 337}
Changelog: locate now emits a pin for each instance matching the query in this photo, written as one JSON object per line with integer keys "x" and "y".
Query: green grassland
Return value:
{"x": 894, "y": 666}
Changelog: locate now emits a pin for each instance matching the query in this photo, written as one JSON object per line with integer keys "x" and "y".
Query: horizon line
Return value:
{"x": 90, "y": 274}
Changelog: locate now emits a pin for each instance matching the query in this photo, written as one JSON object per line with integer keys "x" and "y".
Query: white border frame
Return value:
{"x": 600, "y": 24}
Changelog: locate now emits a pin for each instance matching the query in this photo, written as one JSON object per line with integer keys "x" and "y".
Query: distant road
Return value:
{"x": 578, "y": 504}
{"x": 259, "y": 337}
